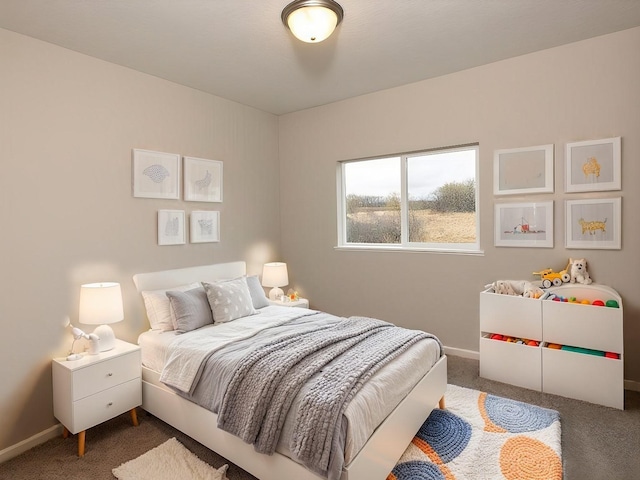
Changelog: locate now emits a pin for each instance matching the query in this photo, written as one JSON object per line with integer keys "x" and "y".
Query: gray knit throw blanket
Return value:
{"x": 267, "y": 381}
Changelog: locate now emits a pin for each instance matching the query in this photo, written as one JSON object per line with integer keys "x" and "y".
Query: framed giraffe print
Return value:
{"x": 202, "y": 180}
{"x": 593, "y": 223}
{"x": 593, "y": 166}
{"x": 523, "y": 170}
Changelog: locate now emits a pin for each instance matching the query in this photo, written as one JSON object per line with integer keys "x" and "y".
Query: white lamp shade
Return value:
{"x": 100, "y": 303}
{"x": 275, "y": 274}
{"x": 312, "y": 24}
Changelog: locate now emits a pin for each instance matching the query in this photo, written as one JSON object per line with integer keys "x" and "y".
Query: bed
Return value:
{"x": 368, "y": 458}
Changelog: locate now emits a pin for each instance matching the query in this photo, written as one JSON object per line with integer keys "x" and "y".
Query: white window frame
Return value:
{"x": 405, "y": 244}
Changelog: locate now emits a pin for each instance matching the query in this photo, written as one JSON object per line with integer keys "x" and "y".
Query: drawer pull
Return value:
{"x": 109, "y": 404}
{"x": 109, "y": 374}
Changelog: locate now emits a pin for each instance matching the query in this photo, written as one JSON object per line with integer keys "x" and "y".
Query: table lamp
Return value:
{"x": 275, "y": 275}
{"x": 101, "y": 304}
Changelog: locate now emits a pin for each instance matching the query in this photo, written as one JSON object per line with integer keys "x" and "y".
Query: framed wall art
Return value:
{"x": 523, "y": 170}
{"x": 171, "y": 229}
{"x": 202, "y": 180}
{"x": 593, "y": 223}
{"x": 155, "y": 174}
{"x": 205, "y": 227}
{"x": 593, "y": 165}
{"x": 523, "y": 224}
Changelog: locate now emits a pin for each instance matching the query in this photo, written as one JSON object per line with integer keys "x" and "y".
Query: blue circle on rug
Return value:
{"x": 446, "y": 433}
{"x": 518, "y": 417}
{"x": 416, "y": 470}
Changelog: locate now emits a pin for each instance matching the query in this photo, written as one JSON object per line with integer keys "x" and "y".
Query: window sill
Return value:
{"x": 392, "y": 248}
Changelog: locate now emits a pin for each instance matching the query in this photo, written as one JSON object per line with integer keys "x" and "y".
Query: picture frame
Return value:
{"x": 593, "y": 223}
{"x": 204, "y": 226}
{"x": 171, "y": 229}
{"x": 202, "y": 180}
{"x": 155, "y": 174}
{"x": 523, "y": 224}
{"x": 593, "y": 165}
{"x": 523, "y": 170}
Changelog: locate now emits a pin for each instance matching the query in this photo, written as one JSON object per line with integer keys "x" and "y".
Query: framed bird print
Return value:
{"x": 156, "y": 174}
{"x": 202, "y": 180}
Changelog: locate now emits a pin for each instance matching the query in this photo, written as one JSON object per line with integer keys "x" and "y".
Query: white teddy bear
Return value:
{"x": 579, "y": 271}
{"x": 516, "y": 287}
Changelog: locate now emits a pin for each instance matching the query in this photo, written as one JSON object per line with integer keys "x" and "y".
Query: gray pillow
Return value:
{"x": 229, "y": 300}
{"x": 256, "y": 291}
{"x": 190, "y": 309}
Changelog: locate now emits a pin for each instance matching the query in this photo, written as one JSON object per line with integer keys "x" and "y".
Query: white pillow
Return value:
{"x": 158, "y": 307}
{"x": 229, "y": 300}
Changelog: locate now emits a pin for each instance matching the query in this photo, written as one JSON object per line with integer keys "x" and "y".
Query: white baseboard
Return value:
{"x": 632, "y": 385}
{"x": 27, "y": 444}
{"x": 461, "y": 352}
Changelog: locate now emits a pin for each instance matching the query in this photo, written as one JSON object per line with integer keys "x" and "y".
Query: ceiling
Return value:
{"x": 240, "y": 50}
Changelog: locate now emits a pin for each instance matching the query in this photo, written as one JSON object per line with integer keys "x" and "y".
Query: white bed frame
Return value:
{"x": 374, "y": 462}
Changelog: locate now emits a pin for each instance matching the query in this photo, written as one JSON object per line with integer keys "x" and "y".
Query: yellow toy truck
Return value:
{"x": 549, "y": 277}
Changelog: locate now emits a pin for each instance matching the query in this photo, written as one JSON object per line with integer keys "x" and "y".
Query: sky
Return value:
{"x": 426, "y": 173}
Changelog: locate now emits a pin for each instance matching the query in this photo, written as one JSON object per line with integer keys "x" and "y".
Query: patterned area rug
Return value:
{"x": 480, "y": 436}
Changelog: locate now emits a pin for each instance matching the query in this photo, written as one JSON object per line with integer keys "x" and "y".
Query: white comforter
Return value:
{"x": 379, "y": 396}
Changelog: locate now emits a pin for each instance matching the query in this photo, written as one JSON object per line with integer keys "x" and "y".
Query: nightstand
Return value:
{"x": 96, "y": 388}
{"x": 301, "y": 302}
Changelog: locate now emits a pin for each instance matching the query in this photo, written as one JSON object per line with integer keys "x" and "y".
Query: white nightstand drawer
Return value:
{"x": 100, "y": 376}
{"x": 105, "y": 405}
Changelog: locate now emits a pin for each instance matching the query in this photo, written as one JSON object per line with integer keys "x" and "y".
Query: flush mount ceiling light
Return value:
{"x": 312, "y": 21}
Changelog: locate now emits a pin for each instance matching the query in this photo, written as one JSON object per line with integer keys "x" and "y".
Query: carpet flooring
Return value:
{"x": 597, "y": 442}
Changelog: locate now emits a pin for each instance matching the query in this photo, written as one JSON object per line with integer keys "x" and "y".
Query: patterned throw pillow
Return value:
{"x": 229, "y": 300}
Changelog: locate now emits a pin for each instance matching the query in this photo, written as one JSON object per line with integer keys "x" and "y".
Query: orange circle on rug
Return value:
{"x": 525, "y": 457}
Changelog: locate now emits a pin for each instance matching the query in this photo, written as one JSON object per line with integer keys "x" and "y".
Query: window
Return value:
{"x": 424, "y": 200}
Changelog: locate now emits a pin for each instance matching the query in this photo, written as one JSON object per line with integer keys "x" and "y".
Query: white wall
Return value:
{"x": 68, "y": 123}
{"x": 587, "y": 90}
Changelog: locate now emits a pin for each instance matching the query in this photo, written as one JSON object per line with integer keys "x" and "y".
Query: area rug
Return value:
{"x": 169, "y": 461}
{"x": 480, "y": 436}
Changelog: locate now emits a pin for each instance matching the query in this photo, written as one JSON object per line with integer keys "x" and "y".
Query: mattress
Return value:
{"x": 371, "y": 405}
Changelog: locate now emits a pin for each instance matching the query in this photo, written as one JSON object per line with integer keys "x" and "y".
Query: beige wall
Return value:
{"x": 582, "y": 91}
{"x": 68, "y": 123}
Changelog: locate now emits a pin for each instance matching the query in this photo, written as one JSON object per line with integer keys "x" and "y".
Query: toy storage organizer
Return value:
{"x": 595, "y": 379}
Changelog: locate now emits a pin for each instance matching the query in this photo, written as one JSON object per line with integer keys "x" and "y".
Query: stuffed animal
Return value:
{"x": 516, "y": 287}
{"x": 579, "y": 271}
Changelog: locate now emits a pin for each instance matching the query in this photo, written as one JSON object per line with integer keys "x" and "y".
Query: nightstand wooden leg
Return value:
{"x": 81, "y": 437}
{"x": 134, "y": 417}
{"x": 441, "y": 403}
{"x": 65, "y": 432}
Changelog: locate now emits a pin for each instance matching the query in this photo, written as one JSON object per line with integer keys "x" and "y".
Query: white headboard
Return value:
{"x": 181, "y": 276}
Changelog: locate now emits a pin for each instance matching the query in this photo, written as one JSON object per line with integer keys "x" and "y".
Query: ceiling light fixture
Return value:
{"x": 312, "y": 21}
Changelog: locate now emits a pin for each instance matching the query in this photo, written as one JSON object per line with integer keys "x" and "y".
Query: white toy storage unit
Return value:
{"x": 595, "y": 379}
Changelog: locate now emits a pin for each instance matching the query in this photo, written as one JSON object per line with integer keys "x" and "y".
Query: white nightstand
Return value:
{"x": 96, "y": 388}
{"x": 301, "y": 302}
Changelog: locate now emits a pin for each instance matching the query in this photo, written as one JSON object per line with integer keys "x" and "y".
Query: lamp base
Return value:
{"x": 107, "y": 339}
{"x": 276, "y": 293}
